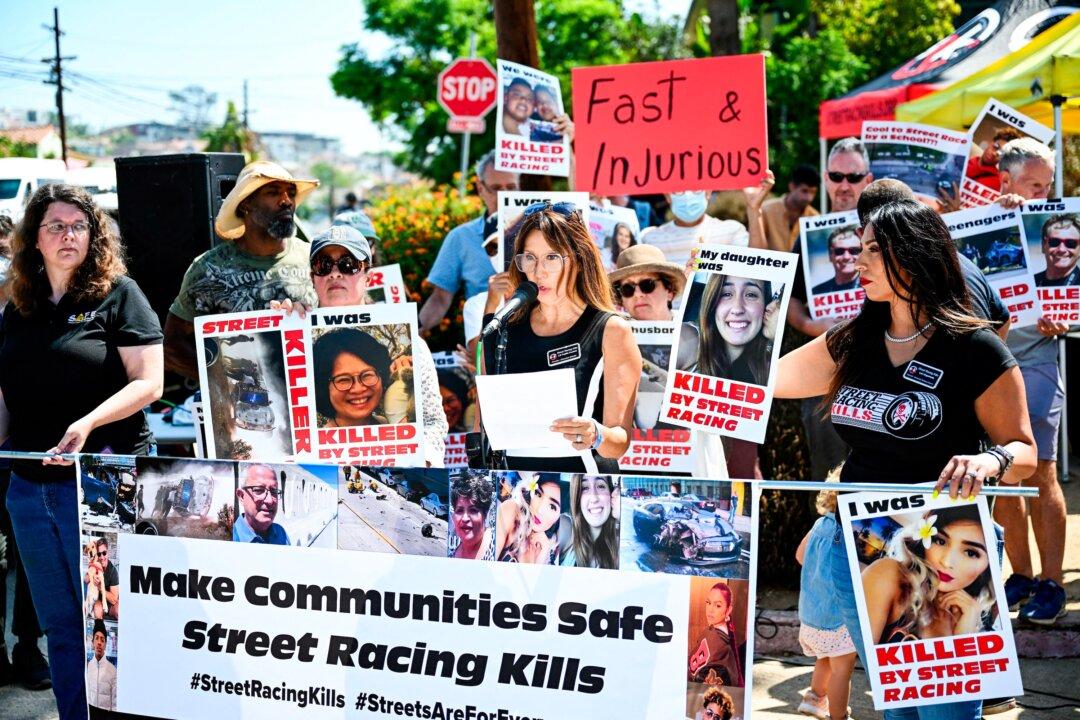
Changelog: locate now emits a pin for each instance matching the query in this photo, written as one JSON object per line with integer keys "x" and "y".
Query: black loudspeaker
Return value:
{"x": 167, "y": 205}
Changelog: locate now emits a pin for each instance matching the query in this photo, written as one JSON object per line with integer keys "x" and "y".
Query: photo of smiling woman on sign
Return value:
{"x": 735, "y": 325}
{"x": 594, "y": 522}
{"x": 528, "y": 523}
{"x": 361, "y": 380}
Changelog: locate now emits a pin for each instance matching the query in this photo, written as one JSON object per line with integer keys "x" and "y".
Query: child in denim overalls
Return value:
{"x": 822, "y": 633}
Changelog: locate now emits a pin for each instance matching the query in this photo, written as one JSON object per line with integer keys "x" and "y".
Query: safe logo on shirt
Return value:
{"x": 566, "y": 354}
{"x": 82, "y": 317}
{"x": 908, "y": 416}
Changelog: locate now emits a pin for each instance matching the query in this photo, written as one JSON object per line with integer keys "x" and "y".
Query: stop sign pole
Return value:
{"x": 467, "y": 97}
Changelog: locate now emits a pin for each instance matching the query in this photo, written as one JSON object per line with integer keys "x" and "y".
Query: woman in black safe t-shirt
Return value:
{"x": 81, "y": 357}
{"x": 914, "y": 381}
{"x": 912, "y": 384}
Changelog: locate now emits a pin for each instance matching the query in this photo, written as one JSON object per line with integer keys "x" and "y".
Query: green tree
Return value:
{"x": 398, "y": 89}
{"x": 231, "y": 136}
{"x": 13, "y": 148}
{"x": 886, "y": 33}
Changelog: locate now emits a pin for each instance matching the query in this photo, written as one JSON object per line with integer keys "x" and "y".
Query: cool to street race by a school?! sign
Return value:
{"x": 932, "y": 608}
{"x": 670, "y": 126}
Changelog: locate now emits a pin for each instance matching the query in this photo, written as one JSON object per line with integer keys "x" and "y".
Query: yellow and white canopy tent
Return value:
{"x": 1041, "y": 80}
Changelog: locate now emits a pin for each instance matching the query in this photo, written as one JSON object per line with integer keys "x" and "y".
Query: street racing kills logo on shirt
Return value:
{"x": 908, "y": 416}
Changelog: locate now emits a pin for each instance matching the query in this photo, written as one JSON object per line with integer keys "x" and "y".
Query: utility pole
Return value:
{"x": 57, "y": 79}
{"x": 245, "y": 121}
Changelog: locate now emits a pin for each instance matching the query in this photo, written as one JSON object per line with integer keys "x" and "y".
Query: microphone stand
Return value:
{"x": 497, "y": 458}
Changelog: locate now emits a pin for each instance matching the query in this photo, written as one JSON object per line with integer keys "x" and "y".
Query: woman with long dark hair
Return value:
{"x": 715, "y": 658}
{"x": 622, "y": 237}
{"x": 914, "y": 382}
{"x": 594, "y": 512}
{"x": 571, "y": 324}
{"x": 81, "y": 358}
{"x": 737, "y": 322}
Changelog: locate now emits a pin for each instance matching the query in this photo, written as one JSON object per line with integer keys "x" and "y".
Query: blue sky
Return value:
{"x": 141, "y": 50}
{"x": 136, "y": 52}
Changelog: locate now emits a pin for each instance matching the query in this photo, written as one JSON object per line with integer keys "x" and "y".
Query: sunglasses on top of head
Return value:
{"x": 562, "y": 208}
{"x": 346, "y": 265}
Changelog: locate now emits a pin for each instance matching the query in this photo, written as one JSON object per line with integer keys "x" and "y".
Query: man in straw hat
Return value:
{"x": 259, "y": 262}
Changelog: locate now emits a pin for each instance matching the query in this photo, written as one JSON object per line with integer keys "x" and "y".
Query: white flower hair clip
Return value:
{"x": 925, "y": 530}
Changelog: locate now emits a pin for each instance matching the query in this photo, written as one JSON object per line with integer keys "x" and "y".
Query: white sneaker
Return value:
{"x": 814, "y": 705}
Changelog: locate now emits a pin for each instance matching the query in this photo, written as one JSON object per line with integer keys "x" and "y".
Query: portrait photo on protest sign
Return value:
{"x": 589, "y": 527}
{"x": 931, "y": 602}
{"x": 101, "y": 642}
{"x": 458, "y": 391}
{"x": 1052, "y": 235}
{"x": 385, "y": 285}
{"x": 512, "y": 207}
{"x": 107, "y": 491}
{"x": 992, "y": 238}
{"x": 526, "y": 137}
{"x": 246, "y": 392}
{"x": 830, "y": 252}
{"x": 614, "y": 229}
{"x": 393, "y": 509}
{"x": 474, "y": 506}
{"x": 100, "y": 566}
{"x": 720, "y": 632}
{"x": 184, "y": 497}
{"x": 925, "y": 157}
{"x": 363, "y": 387}
{"x": 531, "y": 508}
{"x": 659, "y": 127}
{"x": 721, "y": 378}
{"x": 656, "y": 447}
{"x": 332, "y": 631}
{"x": 996, "y": 125}
{"x": 686, "y": 526}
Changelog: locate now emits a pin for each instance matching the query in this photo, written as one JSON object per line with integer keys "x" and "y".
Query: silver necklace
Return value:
{"x": 909, "y": 338}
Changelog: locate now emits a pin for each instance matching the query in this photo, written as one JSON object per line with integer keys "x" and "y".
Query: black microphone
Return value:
{"x": 524, "y": 295}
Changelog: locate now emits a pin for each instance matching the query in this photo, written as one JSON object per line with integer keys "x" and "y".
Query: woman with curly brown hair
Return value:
{"x": 81, "y": 357}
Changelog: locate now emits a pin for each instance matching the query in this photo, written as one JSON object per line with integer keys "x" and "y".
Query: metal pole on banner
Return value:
{"x": 1059, "y": 191}
{"x": 1011, "y": 490}
{"x": 466, "y": 137}
{"x": 823, "y": 159}
{"x": 20, "y": 455}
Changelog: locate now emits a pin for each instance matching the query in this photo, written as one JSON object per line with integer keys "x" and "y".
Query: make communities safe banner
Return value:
{"x": 656, "y": 447}
{"x": 669, "y": 126}
{"x": 925, "y": 157}
{"x": 1052, "y": 234}
{"x": 931, "y": 602}
{"x": 526, "y": 139}
{"x": 830, "y": 249}
{"x": 330, "y": 592}
{"x": 721, "y": 373}
{"x": 982, "y": 181}
{"x": 992, "y": 238}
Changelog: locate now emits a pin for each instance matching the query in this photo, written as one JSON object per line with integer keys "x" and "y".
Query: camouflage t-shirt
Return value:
{"x": 225, "y": 279}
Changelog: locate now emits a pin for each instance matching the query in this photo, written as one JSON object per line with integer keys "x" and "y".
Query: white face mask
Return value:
{"x": 495, "y": 263}
{"x": 688, "y": 206}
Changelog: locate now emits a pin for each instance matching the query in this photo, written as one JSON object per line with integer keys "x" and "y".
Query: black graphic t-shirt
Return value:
{"x": 904, "y": 423}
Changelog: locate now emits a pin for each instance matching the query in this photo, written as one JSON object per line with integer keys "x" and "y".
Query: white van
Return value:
{"x": 20, "y": 177}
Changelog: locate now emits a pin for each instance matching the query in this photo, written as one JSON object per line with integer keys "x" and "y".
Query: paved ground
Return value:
{"x": 391, "y": 524}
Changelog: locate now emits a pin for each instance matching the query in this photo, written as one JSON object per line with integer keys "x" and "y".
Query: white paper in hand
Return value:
{"x": 518, "y": 409}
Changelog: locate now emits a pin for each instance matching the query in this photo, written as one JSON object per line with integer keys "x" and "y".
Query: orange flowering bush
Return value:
{"x": 412, "y": 221}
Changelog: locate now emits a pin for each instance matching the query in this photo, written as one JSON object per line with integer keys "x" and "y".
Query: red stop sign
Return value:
{"x": 467, "y": 88}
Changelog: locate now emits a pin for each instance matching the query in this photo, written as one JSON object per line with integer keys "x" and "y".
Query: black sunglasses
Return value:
{"x": 850, "y": 177}
{"x": 346, "y": 265}
{"x": 563, "y": 208}
{"x": 1070, "y": 243}
{"x": 626, "y": 289}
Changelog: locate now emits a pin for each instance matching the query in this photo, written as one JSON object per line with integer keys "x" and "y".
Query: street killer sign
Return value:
{"x": 467, "y": 91}
{"x": 670, "y": 126}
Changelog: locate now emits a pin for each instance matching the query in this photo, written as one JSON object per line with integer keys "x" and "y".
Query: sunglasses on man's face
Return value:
{"x": 1071, "y": 243}
{"x": 627, "y": 289}
{"x": 346, "y": 265}
{"x": 852, "y": 251}
{"x": 103, "y": 553}
{"x": 850, "y": 177}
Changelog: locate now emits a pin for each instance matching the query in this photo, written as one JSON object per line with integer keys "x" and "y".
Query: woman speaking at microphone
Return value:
{"x": 571, "y": 324}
